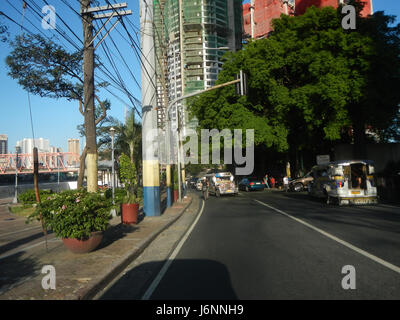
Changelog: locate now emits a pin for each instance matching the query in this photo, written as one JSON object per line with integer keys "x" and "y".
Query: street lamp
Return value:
{"x": 112, "y": 133}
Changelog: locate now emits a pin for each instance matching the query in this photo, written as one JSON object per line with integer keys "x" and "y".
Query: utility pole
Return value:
{"x": 88, "y": 96}
{"x": 88, "y": 79}
{"x": 151, "y": 172}
{"x": 181, "y": 119}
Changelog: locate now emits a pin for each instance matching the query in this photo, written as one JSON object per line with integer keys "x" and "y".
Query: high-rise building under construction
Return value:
{"x": 191, "y": 36}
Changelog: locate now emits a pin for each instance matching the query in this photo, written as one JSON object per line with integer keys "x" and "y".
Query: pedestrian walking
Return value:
{"x": 204, "y": 188}
{"x": 266, "y": 181}
{"x": 286, "y": 183}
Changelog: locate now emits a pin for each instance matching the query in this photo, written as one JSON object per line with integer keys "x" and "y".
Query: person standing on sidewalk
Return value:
{"x": 272, "y": 180}
{"x": 286, "y": 183}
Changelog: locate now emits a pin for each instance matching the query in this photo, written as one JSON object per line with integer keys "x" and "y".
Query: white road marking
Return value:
{"x": 348, "y": 245}
{"x": 167, "y": 264}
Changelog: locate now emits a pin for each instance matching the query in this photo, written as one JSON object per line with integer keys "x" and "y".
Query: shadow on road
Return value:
{"x": 15, "y": 244}
{"x": 192, "y": 279}
{"x": 369, "y": 216}
{"x": 15, "y": 269}
{"x": 115, "y": 233}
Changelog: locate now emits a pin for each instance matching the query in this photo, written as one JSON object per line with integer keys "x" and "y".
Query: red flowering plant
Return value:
{"x": 74, "y": 213}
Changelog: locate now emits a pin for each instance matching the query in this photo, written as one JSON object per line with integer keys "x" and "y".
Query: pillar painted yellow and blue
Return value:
{"x": 151, "y": 188}
{"x": 168, "y": 185}
{"x": 151, "y": 167}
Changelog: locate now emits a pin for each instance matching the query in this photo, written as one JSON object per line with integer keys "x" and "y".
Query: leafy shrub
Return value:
{"x": 175, "y": 179}
{"x": 29, "y": 196}
{"x": 74, "y": 213}
{"x": 118, "y": 193}
{"x": 129, "y": 179}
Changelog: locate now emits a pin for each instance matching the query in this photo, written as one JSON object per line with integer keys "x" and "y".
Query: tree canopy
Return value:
{"x": 3, "y": 32}
{"x": 44, "y": 68}
{"x": 309, "y": 80}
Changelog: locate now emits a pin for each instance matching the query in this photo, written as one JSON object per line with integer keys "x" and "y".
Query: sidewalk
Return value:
{"x": 80, "y": 276}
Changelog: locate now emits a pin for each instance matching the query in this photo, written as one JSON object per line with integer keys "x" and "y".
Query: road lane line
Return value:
{"x": 348, "y": 245}
{"x": 171, "y": 258}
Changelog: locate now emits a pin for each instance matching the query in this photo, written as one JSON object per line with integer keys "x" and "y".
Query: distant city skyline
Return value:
{"x": 74, "y": 147}
{"x": 3, "y": 144}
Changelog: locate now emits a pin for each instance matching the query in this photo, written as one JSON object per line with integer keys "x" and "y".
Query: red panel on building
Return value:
{"x": 302, "y": 5}
{"x": 264, "y": 12}
{"x": 267, "y": 10}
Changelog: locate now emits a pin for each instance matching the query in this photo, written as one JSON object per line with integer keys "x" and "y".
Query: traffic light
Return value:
{"x": 241, "y": 87}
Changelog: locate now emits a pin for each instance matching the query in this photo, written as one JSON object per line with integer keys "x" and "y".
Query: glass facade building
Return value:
{"x": 191, "y": 36}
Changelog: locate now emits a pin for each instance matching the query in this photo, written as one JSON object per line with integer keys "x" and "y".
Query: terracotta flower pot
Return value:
{"x": 176, "y": 195}
{"x": 129, "y": 213}
{"x": 84, "y": 246}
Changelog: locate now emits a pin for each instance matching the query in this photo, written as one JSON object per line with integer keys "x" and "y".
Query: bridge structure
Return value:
{"x": 49, "y": 162}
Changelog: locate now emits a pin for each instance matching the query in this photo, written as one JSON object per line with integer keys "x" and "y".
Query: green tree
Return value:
{"x": 308, "y": 81}
{"x": 129, "y": 139}
{"x": 44, "y": 68}
{"x": 128, "y": 177}
{"x": 3, "y": 32}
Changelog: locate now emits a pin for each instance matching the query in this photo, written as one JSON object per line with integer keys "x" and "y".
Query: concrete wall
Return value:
{"x": 381, "y": 154}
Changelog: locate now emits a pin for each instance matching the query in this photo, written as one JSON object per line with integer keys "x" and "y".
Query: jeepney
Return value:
{"x": 344, "y": 182}
{"x": 222, "y": 183}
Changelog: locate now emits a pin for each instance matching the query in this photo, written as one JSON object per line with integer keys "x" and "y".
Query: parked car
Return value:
{"x": 251, "y": 183}
{"x": 300, "y": 184}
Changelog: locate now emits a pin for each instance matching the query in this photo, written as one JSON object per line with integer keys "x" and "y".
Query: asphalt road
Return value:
{"x": 276, "y": 245}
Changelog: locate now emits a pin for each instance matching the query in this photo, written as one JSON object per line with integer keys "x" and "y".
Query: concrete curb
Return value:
{"x": 91, "y": 290}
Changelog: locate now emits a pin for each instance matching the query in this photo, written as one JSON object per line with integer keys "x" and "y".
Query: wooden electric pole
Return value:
{"x": 88, "y": 96}
{"x": 88, "y": 79}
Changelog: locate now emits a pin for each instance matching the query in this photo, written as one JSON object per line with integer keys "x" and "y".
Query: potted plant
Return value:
{"x": 130, "y": 203}
{"x": 76, "y": 216}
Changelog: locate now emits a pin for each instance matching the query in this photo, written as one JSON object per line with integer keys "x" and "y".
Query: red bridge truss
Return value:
{"x": 48, "y": 162}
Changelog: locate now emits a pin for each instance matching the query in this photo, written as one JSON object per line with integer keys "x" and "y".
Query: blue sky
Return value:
{"x": 53, "y": 119}
{"x": 57, "y": 120}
